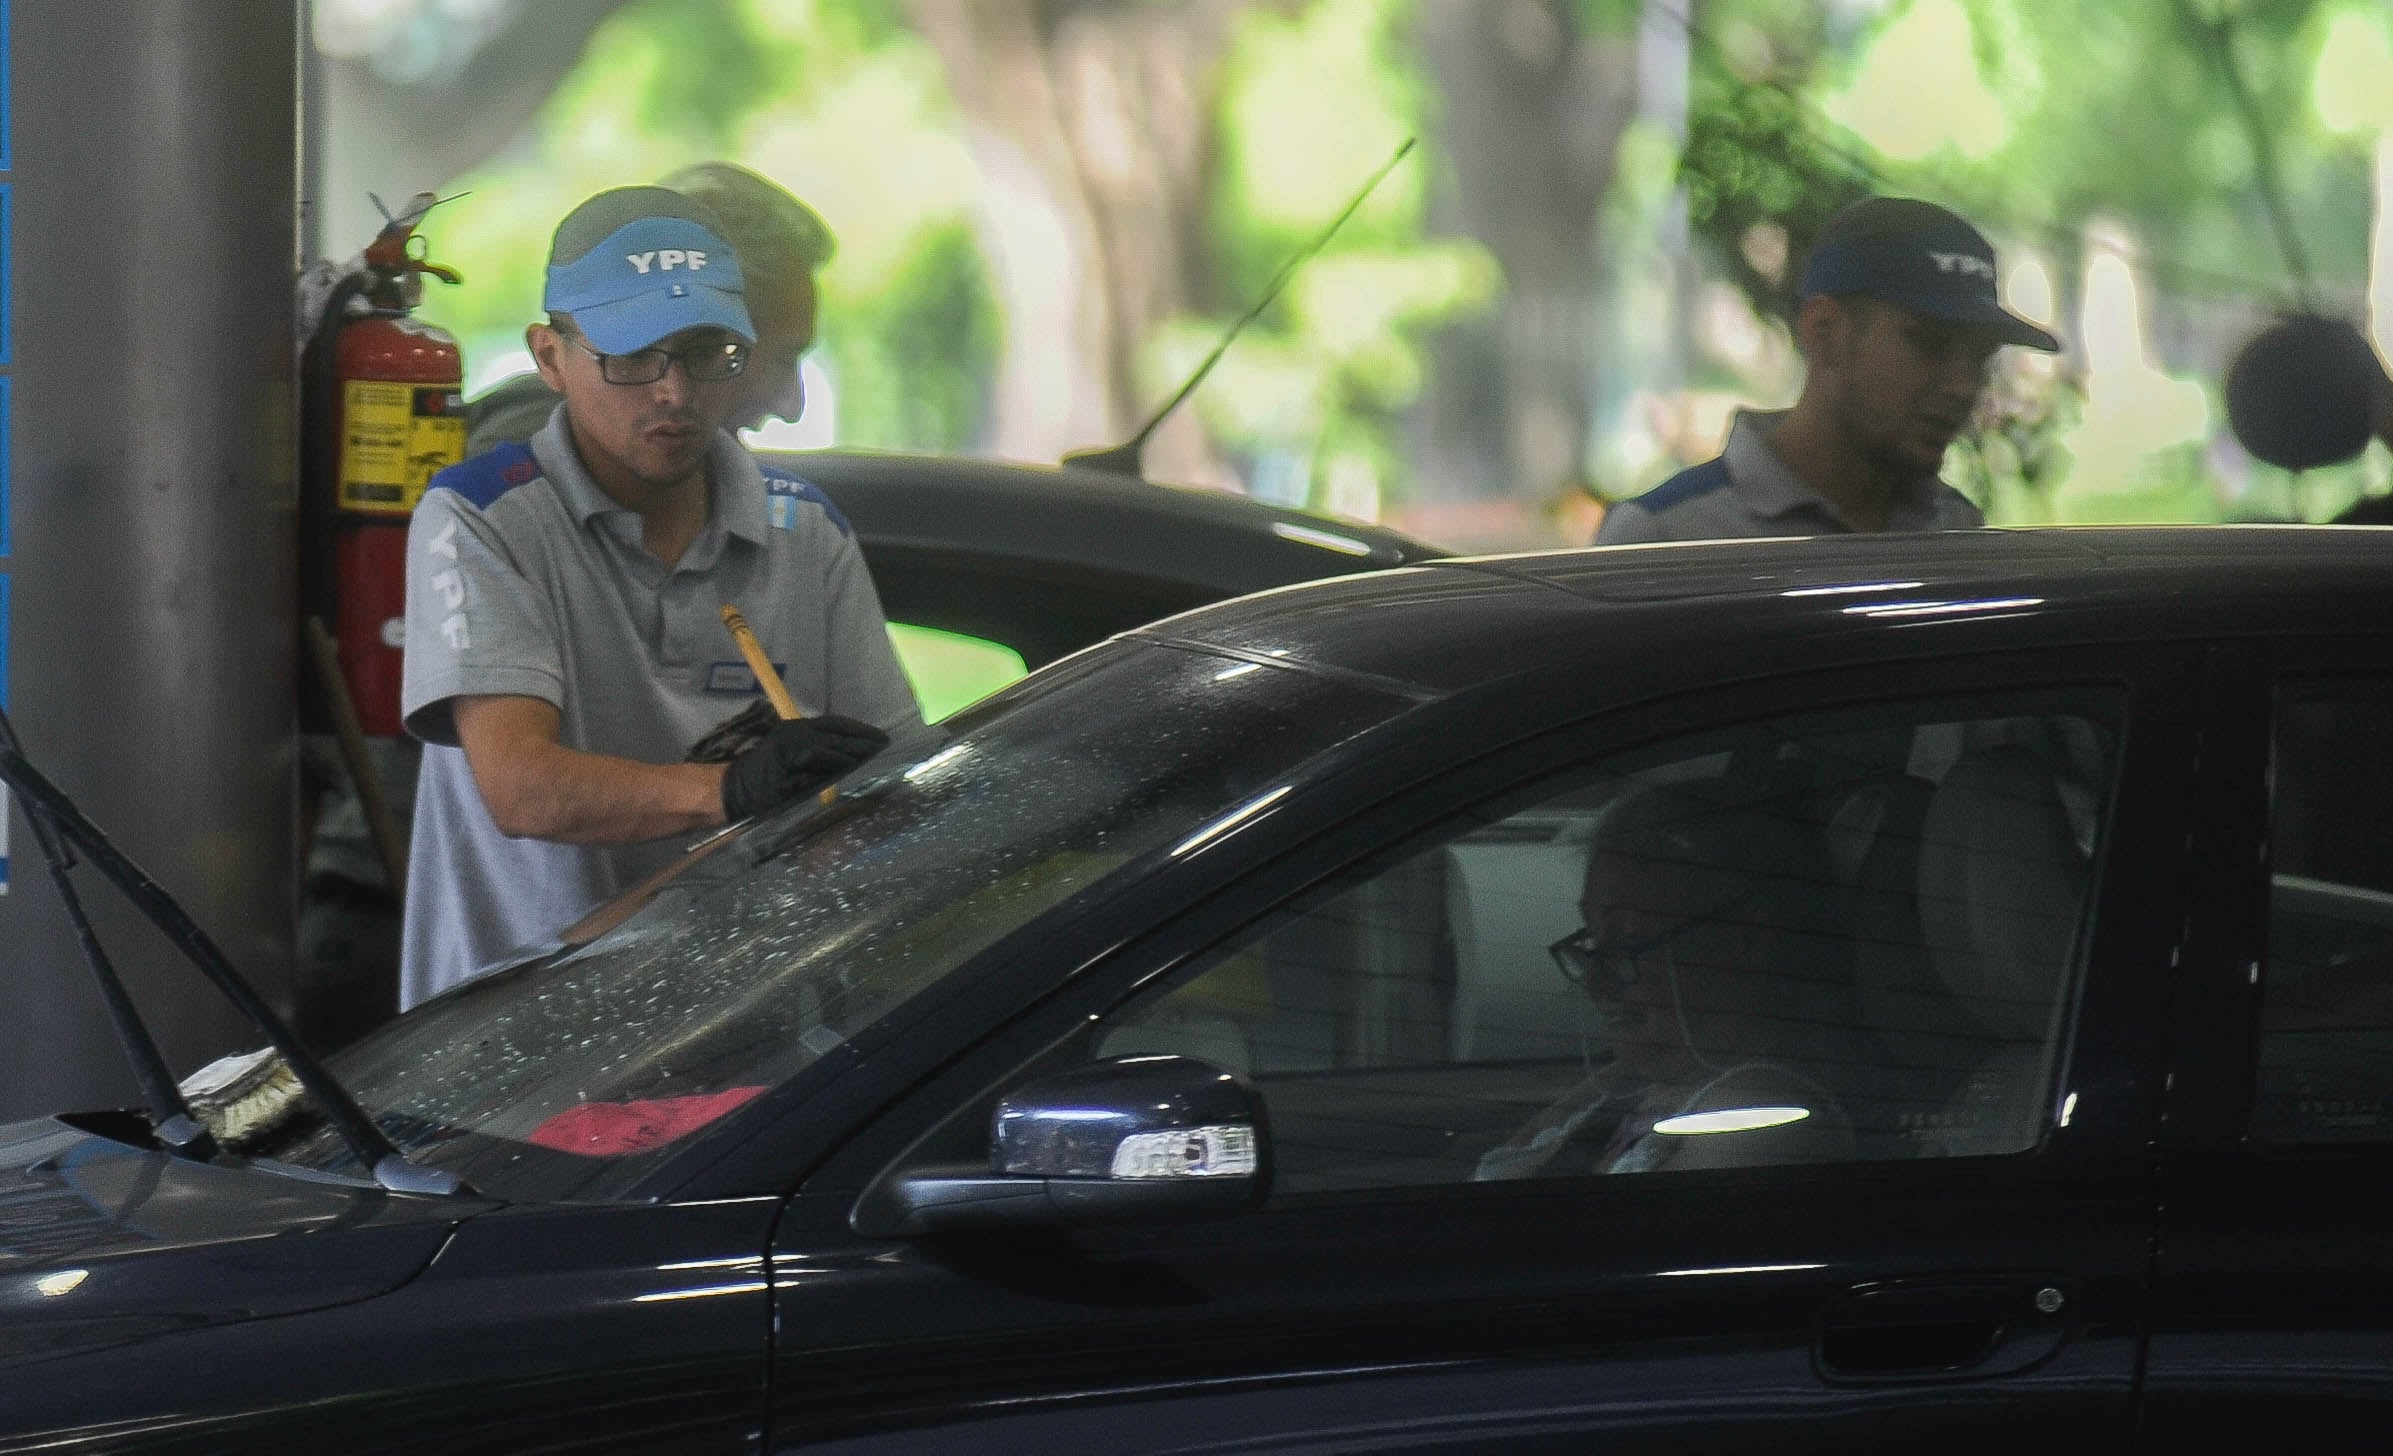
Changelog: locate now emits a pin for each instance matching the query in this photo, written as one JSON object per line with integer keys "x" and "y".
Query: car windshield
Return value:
{"x": 569, "y": 1075}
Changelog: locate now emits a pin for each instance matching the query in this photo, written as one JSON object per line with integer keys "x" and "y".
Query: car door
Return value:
{"x": 1937, "y": 907}
{"x": 2273, "y": 1303}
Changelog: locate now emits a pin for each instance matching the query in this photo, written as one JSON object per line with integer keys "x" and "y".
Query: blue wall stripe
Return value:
{"x": 4, "y": 580}
{"x": 7, "y": 400}
{"x": 8, "y": 248}
{"x": 7, "y": 415}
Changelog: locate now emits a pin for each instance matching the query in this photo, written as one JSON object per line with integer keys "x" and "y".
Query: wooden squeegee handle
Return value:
{"x": 774, "y": 692}
{"x": 753, "y": 650}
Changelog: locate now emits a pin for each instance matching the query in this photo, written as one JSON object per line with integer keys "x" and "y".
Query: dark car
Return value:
{"x": 1847, "y": 995}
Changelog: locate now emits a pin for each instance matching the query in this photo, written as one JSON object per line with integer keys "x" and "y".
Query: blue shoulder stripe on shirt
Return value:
{"x": 489, "y": 475}
{"x": 780, "y": 486}
{"x": 1695, "y": 480}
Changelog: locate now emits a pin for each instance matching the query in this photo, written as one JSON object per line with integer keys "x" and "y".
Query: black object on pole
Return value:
{"x": 375, "y": 1152}
{"x": 170, "y": 1115}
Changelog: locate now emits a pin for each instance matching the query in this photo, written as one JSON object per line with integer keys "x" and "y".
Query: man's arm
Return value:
{"x": 536, "y": 788}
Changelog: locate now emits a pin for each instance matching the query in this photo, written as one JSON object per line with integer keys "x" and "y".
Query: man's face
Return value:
{"x": 1630, "y": 910}
{"x": 770, "y": 388}
{"x": 641, "y": 438}
{"x": 1904, "y": 384}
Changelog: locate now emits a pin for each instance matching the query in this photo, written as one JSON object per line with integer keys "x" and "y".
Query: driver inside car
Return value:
{"x": 1716, "y": 988}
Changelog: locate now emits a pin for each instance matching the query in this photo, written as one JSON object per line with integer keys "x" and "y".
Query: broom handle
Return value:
{"x": 766, "y": 678}
{"x": 760, "y": 664}
{"x": 381, "y": 825}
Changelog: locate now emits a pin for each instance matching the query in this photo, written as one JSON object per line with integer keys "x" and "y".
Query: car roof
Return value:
{"x": 1047, "y": 560}
{"x": 1216, "y": 541}
{"x": 1646, "y": 611}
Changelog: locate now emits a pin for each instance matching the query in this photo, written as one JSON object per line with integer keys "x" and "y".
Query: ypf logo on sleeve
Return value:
{"x": 449, "y": 583}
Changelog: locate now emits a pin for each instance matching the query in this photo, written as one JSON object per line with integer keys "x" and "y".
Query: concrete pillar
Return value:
{"x": 148, "y": 568}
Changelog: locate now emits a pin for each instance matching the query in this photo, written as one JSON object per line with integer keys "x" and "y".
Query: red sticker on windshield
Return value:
{"x": 618, "y": 1129}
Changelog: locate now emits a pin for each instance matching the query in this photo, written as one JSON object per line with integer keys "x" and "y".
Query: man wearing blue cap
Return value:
{"x": 565, "y": 647}
{"x": 1897, "y": 320}
{"x": 782, "y": 244}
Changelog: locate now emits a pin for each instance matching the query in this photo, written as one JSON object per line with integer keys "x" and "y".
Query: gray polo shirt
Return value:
{"x": 1748, "y": 491}
{"x": 524, "y": 579}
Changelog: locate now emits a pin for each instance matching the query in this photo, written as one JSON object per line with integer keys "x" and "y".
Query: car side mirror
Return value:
{"x": 1127, "y": 1139}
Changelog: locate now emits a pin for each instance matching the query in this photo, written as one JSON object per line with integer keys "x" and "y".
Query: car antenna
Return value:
{"x": 48, "y": 805}
{"x": 1123, "y": 459}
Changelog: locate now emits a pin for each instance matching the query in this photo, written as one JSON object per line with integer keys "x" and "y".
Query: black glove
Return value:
{"x": 729, "y": 738}
{"x": 793, "y": 758}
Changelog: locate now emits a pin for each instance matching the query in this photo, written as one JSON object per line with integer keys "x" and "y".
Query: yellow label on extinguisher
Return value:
{"x": 394, "y": 439}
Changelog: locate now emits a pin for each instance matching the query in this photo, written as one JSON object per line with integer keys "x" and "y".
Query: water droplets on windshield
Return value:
{"x": 751, "y": 967}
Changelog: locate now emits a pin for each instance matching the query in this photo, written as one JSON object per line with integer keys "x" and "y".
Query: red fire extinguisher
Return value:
{"x": 386, "y": 395}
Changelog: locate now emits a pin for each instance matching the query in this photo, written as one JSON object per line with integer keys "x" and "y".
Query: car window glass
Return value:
{"x": 951, "y": 669}
{"x": 2326, "y": 1012}
{"x": 1839, "y": 936}
{"x": 554, "y": 1078}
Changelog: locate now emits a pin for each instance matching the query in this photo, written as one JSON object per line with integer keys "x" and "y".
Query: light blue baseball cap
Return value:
{"x": 633, "y": 265}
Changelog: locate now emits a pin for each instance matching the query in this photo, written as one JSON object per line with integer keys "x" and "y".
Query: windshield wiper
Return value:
{"x": 55, "y": 816}
{"x": 170, "y": 1117}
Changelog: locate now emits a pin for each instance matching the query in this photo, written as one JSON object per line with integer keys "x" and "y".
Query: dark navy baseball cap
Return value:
{"x": 633, "y": 265}
{"x": 1917, "y": 256}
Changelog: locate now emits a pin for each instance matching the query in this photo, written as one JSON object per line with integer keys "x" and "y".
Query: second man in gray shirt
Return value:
{"x": 1898, "y": 321}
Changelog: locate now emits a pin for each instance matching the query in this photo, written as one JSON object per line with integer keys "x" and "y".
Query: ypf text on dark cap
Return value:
{"x": 633, "y": 265}
{"x": 1917, "y": 256}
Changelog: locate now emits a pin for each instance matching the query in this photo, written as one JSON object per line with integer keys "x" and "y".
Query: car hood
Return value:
{"x": 102, "y": 1242}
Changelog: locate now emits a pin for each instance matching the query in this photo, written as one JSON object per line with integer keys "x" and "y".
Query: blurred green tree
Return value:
{"x": 837, "y": 99}
{"x": 1047, "y": 209}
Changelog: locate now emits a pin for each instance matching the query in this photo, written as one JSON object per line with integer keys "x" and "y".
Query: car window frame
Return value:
{"x": 2120, "y": 1058}
{"x": 2215, "y": 1016}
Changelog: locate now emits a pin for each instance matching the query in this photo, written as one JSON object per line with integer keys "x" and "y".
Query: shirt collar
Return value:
{"x": 739, "y": 490}
{"x": 737, "y": 507}
{"x": 1764, "y": 482}
{"x": 552, "y": 449}
{"x": 1769, "y": 488}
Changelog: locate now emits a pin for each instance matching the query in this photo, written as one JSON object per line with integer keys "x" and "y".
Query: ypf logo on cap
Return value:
{"x": 1968, "y": 265}
{"x": 665, "y": 260}
{"x": 648, "y": 276}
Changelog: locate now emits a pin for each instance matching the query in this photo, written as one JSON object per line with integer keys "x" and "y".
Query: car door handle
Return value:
{"x": 1933, "y": 1328}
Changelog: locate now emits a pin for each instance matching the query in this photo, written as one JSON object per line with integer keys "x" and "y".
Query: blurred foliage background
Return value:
{"x": 1048, "y": 211}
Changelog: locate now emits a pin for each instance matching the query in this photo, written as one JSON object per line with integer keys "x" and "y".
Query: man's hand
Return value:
{"x": 735, "y": 735}
{"x": 793, "y": 758}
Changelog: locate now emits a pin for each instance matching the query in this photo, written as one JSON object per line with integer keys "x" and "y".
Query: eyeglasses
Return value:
{"x": 1608, "y": 967}
{"x": 704, "y": 363}
{"x": 1611, "y": 967}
